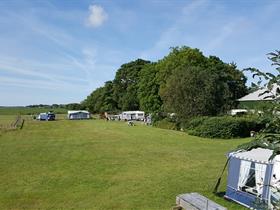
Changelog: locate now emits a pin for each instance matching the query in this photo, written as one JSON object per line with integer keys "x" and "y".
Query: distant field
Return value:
{"x": 7, "y": 119}
{"x": 28, "y": 111}
{"x": 94, "y": 164}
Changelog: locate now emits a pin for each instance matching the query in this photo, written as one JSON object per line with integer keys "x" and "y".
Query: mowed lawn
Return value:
{"x": 96, "y": 164}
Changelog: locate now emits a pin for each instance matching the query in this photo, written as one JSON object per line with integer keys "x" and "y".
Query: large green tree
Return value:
{"x": 191, "y": 92}
{"x": 231, "y": 82}
{"x": 148, "y": 89}
{"x": 125, "y": 85}
{"x": 192, "y": 84}
{"x": 101, "y": 99}
{"x": 178, "y": 58}
{"x": 165, "y": 85}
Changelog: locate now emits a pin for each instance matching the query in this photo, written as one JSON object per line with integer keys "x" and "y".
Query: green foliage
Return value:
{"x": 31, "y": 110}
{"x": 191, "y": 92}
{"x": 231, "y": 83}
{"x": 269, "y": 79}
{"x": 74, "y": 106}
{"x": 224, "y": 127}
{"x": 95, "y": 100}
{"x": 165, "y": 124}
{"x": 192, "y": 84}
{"x": 125, "y": 85}
{"x": 194, "y": 122}
{"x": 179, "y": 58}
{"x": 101, "y": 99}
{"x": 269, "y": 137}
{"x": 119, "y": 94}
{"x": 185, "y": 82}
{"x": 256, "y": 105}
{"x": 201, "y": 86}
{"x": 148, "y": 89}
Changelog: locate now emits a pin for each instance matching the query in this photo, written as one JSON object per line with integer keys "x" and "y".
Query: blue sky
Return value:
{"x": 59, "y": 51}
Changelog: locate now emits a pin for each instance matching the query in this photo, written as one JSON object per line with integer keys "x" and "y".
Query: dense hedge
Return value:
{"x": 165, "y": 124}
{"x": 224, "y": 127}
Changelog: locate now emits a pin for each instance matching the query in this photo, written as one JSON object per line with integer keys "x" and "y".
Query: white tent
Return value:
{"x": 252, "y": 176}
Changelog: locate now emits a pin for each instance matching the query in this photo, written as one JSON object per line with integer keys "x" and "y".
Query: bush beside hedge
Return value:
{"x": 165, "y": 124}
{"x": 223, "y": 127}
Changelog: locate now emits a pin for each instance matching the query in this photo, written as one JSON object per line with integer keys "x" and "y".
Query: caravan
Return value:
{"x": 132, "y": 115}
{"x": 78, "y": 115}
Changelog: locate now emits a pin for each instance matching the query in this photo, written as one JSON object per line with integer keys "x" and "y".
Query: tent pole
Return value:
{"x": 220, "y": 177}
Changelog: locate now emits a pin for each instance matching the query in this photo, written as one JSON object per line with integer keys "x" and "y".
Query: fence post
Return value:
{"x": 22, "y": 124}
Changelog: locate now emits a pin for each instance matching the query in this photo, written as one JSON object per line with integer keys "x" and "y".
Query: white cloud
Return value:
{"x": 97, "y": 16}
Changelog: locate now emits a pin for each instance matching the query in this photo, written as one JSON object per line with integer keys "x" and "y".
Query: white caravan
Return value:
{"x": 132, "y": 115}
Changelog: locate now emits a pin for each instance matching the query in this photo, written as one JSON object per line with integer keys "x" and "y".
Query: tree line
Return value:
{"x": 70, "y": 106}
{"x": 184, "y": 82}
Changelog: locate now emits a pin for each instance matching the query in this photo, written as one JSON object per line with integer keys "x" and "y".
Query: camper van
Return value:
{"x": 46, "y": 116}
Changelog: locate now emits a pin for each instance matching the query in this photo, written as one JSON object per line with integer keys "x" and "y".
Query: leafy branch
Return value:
{"x": 269, "y": 137}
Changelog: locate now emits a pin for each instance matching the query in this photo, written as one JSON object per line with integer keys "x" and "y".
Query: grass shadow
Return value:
{"x": 220, "y": 194}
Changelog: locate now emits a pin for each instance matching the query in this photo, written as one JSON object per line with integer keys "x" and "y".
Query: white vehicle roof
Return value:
{"x": 133, "y": 112}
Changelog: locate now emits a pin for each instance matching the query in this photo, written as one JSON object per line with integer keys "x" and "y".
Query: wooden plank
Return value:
{"x": 195, "y": 201}
{"x": 185, "y": 204}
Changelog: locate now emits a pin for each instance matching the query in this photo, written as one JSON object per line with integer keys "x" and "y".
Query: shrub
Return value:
{"x": 158, "y": 117}
{"x": 193, "y": 123}
{"x": 224, "y": 127}
{"x": 166, "y": 124}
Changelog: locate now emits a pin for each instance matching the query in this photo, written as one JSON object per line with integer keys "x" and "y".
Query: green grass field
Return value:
{"x": 106, "y": 165}
{"x": 28, "y": 110}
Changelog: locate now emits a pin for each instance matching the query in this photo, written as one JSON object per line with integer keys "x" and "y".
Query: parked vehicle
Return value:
{"x": 46, "y": 116}
{"x": 132, "y": 115}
